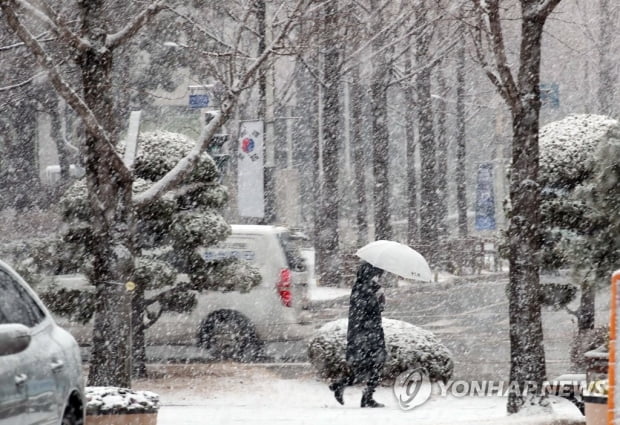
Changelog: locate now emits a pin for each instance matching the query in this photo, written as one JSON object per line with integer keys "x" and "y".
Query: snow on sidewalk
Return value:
{"x": 260, "y": 396}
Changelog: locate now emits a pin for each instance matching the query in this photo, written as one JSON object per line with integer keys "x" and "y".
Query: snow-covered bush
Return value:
{"x": 408, "y": 346}
{"x": 579, "y": 172}
{"x": 585, "y": 341}
{"x": 580, "y": 224}
{"x": 115, "y": 400}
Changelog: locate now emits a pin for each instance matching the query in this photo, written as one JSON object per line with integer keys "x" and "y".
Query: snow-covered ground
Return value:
{"x": 236, "y": 394}
{"x": 325, "y": 293}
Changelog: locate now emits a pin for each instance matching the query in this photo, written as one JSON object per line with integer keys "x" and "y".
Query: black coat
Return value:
{"x": 365, "y": 340}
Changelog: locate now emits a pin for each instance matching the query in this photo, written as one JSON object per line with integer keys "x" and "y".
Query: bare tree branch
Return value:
{"x": 395, "y": 23}
{"x": 547, "y": 7}
{"x": 312, "y": 70}
{"x": 438, "y": 57}
{"x": 152, "y": 318}
{"x": 504, "y": 81}
{"x": 571, "y": 312}
{"x": 237, "y": 39}
{"x": 115, "y": 40}
{"x": 21, "y": 84}
{"x": 490, "y": 73}
{"x": 200, "y": 28}
{"x": 78, "y": 105}
{"x": 55, "y": 25}
{"x": 21, "y": 44}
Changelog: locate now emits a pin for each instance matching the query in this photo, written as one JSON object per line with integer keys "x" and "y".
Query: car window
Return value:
{"x": 16, "y": 305}
{"x": 293, "y": 256}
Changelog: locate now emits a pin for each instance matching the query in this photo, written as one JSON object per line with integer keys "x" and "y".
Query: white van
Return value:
{"x": 232, "y": 324}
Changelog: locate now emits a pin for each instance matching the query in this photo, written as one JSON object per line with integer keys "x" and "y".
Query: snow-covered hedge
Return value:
{"x": 114, "y": 400}
{"x": 160, "y": 151}
{"x": 408, "y": 346}
{"x": 568, "y": 147}
{"x": 579, "y": 171}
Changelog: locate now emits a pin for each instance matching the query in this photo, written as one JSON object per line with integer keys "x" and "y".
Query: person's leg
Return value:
{"x": 373, "y": 383}
{"x": 338, "y": 387}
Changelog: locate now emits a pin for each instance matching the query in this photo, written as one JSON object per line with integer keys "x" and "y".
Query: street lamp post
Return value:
{"x": 265, "y": 105}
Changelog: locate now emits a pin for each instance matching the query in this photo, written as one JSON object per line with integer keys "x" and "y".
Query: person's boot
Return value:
{"x": 338, "y": 389}
{"x": 367, "y": 400}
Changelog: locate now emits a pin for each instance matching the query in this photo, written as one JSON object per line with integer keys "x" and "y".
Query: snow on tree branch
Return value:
{"x": 185, "y": 165}
{"x": 115, "y": 40}
{"x": 70, "y": 96}
{"x": 545, "y": 7}
{"x": 54, "y": 23}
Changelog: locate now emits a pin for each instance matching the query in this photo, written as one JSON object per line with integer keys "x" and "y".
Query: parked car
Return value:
{"x": 40, "y": 367}
{"x": 233, "y": 324}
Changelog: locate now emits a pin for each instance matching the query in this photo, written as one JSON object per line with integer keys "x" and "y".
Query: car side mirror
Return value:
{"x": 14, "y": 338}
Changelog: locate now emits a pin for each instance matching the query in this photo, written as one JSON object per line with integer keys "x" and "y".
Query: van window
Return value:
{"x": 293, "y": 256}
{"x": 242, "y": 248}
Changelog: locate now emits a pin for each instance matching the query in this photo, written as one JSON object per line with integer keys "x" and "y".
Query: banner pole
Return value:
{"x": 613, "y": 340}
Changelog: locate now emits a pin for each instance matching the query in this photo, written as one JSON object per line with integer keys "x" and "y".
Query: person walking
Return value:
{"x": 366, "y": 351}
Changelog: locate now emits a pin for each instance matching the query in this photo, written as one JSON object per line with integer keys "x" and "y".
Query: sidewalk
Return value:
{"x": 237, "y": 394}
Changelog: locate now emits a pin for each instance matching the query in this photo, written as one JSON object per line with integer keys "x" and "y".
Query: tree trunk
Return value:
{"x": 279, "y": 133}
{"x": 526, "y": 334}
{"x": 442, "y": 156}
{"x": 138, "y": 341}
{"x": 19, "y": 180}
{"x": 608, "y": 74}
{"x": 328, "y": 247}
{"x": 306, "y": 131}
{"x": 359, "y": 169}
{"x": 410, "y": 136}
{"x": 460, "y": 174}
{"x": 380, "y": 135}
{"x": 316, "y": 168}
{"x": 428, "y": 161}
{"x": 111, "y": 215}
{"x": 585, "y": 314}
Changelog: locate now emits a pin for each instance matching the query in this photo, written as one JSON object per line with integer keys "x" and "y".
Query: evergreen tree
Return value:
{"x": 168, "y": 237}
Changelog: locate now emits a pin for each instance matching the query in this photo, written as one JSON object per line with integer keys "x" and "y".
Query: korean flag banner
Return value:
{"x": 251, "y": 196}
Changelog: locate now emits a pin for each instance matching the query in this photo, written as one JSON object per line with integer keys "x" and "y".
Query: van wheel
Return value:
{"x": 72, "y": 416}
{"x": 229, "y": 335}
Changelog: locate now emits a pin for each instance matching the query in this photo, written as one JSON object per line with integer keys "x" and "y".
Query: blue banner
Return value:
{"x": 485, "y": 198}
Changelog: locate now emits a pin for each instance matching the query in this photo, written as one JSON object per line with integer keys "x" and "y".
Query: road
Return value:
{"x": 471, "y": 318}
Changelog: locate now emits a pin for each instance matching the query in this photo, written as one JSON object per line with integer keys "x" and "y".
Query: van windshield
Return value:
{"x": 293, "y": 256}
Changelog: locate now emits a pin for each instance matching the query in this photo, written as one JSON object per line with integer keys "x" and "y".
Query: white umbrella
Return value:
{"x": 396, "y": 258}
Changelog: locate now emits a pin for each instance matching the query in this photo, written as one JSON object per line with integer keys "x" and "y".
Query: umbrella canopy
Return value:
{"x": 397, "y": 258}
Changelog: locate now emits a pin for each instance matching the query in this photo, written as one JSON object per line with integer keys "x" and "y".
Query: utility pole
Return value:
{"x": 264, "y": 106}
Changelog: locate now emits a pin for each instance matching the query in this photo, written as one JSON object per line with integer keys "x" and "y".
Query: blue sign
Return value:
{"x": 550, "y": 95}
{"x": 198, "y": 100}
{"x": 485, "y": 198}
